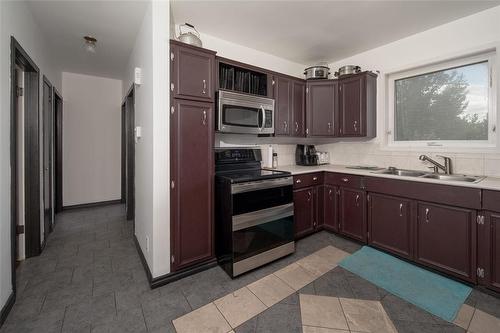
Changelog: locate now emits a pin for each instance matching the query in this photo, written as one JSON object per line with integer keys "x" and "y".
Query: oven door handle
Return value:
{"x": 260, "y": 185}
{"x": 262, "y": 216}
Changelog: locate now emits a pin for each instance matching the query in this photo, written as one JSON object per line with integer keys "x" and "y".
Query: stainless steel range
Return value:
{"x": 253, "y": 211}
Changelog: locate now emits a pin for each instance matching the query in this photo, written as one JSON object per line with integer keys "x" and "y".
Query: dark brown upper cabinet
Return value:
{"x": 289, "y": 96}
{"x": 283, "y": 105}
{"x": 446, "y": 239}
{"x": 298, "y": 107}
{"x": 322, "y": 103}
{"x": 192, "y": 72}
{"x": 192, "y": 174}
{"x": 357, "y": 105}
{"x": 389, "y": 224}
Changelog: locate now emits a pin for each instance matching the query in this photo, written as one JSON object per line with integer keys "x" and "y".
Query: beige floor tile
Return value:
{"x": 295, "y": 276}
{"x": 312, "y": 329}
{"x": 483, "y": 322}
{"x": 322, "y": 311}
{"x": 239, "y": 306}
{"x": 366, "y": 316}
{"x": 205, "y": 319}
{"x": 270, "y": 289}
{"x": 317, "y": 265}
{"x": 464, "y": 316}
{"x": 332, "y": 253}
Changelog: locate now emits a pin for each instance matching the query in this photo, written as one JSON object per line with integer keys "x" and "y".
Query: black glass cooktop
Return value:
{"x": 251, "y": 175}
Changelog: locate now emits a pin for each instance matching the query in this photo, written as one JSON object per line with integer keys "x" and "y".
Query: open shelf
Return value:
{"x": 243, "y": 80}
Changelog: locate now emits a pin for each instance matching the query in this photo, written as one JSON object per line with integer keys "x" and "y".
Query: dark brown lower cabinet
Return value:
{"x": 389, "y": 224}
{"x": 330, "y": 208}
{"x": 192, "y": 174}
{"x": 303, "y": 201}
{"x": 446, "y": 239}
{"x": 352, "y": 213}
{"x": 489, "y": 250}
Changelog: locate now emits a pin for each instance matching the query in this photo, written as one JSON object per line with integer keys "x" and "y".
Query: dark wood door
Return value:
{"x": 489, "y": 250}
{"x": 192, "y": 73}
{"x": 130, "y": 156}
{"x": 191, "y": 182}
{"x": 353, "y": 213}
{"x": 352, "y": 106}
{"x": 330, "y": 207}
{"x": 446, "y": 239}
{"x": 389, "y": 223}
{"x": 321, "y": 105}
{"x": 47, "y": 157}
{"x": 283, "y": 106}
{"x": 58, "y": 148}
{"x": 298, "y": 108}
{"x": 304, "y": 212}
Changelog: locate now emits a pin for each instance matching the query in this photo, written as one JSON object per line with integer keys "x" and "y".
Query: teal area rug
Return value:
{"x": 432, "y": 292}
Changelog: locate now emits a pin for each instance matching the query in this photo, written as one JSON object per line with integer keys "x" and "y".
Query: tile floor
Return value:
{"x": 90, "y": 279}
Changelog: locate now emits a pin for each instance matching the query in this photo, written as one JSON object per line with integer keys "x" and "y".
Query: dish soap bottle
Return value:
{"x": 275, "y": 160}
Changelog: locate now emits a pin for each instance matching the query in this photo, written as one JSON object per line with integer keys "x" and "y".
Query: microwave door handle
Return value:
{"x": 263, "y": 117}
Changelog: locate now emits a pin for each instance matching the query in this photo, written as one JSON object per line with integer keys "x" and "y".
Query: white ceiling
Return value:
{"x": 308, "y": 32}
{"x": 115, "y": 24}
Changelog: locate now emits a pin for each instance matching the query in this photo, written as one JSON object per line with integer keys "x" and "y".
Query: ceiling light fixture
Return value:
{"x": 90, "y": 44}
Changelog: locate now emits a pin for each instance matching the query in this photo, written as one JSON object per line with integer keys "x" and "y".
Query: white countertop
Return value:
{"x": 488, "y": 183}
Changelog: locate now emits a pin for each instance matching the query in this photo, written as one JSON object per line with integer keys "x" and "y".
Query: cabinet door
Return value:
{"x": 192, "y": 182}
{"x": 352, "y": 106}
{"x": 389, "y": 223}
{"x": 321, "y": 105}
{"x": 330, "y": 204}
{"x": 353, "y": 213}
{"x": 446, "y": 239}
{"x": 303, "y": 201}
{"x": 298, "y": 108}
{"x": 489, "y": 250}
{"x": 283, "y": 107}
{"x": 193, "y": 73}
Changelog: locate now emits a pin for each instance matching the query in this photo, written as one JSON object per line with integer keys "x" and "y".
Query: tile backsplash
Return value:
{"x": 366, "y": 153}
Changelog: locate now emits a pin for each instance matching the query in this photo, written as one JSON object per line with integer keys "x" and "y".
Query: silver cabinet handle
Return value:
{"x": 357, "y": 200}
{"x": 296, "y": 127}
{"x": 427, "y": 210}
{"x": 345, "y": 180}
{"x": 298, "y": 181}
{"x": 330, "y": 192}
{"x": 204, "y": 118}
{"x": 400, "y": 209}
{"x": 204, "y": 87}
{"x": 315, "y": 178}
{"x": 285, "y": 125}
{"x": 309, "y": 195}
{"x": 329, "y": 127}
{"x": 355, "y": 126}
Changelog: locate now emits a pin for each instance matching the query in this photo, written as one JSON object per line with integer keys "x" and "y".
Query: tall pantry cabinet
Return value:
{"x": 192, "y": 71}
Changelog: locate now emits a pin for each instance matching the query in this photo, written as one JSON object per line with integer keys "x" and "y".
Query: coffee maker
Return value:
{"x": 306, "y": 155}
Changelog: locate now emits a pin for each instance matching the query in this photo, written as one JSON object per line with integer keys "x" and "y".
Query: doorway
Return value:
{"x": 128, "y": 152}
{"x": 47, "y": 124}
{"x": 24, "y": 157}
{"x": 58, "y": 146}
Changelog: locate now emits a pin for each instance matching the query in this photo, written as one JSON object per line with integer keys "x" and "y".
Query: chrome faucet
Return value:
{"x": 436, "y": 165}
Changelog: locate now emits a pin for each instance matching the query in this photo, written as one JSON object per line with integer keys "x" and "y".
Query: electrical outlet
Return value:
{"x": 147, "y": 243}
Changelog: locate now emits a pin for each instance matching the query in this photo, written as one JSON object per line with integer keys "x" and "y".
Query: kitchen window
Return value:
{"x": 449, "y": 104}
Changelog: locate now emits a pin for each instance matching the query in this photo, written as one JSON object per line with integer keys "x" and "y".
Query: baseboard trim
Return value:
{"x": 7, "y": 307}
{"x": 93, "y": 204}
{"x": 174, "y": 276}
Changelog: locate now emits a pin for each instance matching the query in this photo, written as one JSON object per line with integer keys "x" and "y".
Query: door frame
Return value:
{"x": 32, "y": 149}
{"x": 58, "y": 151}
{"x": 129, "y": 145}
{"x": 48, "y": 230}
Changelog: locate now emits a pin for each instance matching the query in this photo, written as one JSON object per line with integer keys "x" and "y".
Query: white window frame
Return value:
{"x": 492, "y": 142}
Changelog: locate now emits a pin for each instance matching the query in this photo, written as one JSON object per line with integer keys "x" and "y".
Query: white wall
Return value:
{"x": 16, "y": 20}
{"x": 91, "y": 139}
{"x": 151, "y": 54}
{"x": 474, "y": 33}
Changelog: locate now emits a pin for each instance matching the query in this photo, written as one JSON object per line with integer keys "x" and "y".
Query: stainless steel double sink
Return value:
{"x": 428, "y": 175}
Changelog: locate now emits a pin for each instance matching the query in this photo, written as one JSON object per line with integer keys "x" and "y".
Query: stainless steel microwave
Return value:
{"x": 244, "y": 114}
